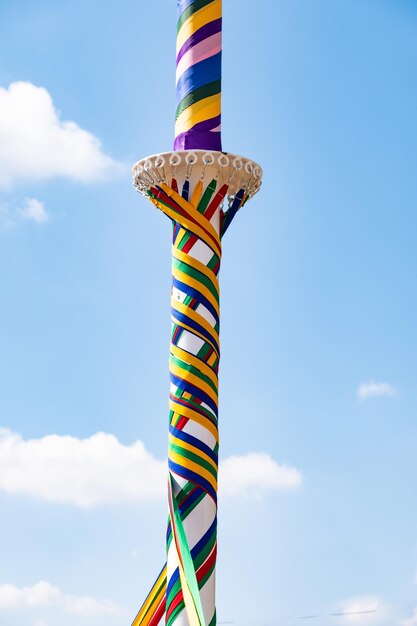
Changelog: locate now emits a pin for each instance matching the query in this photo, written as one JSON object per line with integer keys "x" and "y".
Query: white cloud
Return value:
{"x": 44, "y": 595}
{"x": 254, "y": 474}
{"x": 363, "y": 610}
{"x": 84, "y": 472}
{"x": 101, "y": 470}
{"x": 35, "y": 144}
{"x": 373, "y": 389}
{"x": 30, "y": 210}
{"x": 34, "y": 210}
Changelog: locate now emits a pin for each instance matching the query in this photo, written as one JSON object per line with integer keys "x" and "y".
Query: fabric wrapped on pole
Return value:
{"x": 198, "y": 77}
{"x": 192, "y": 189}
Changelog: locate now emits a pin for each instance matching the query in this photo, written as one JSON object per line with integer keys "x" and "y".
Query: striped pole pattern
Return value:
{"x": 198, "y": 79}
{"x": 185, "y": 588}
{"x": 193, "y": 438}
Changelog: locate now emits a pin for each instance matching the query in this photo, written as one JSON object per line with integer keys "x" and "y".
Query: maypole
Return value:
{"x": 200, "y": 188}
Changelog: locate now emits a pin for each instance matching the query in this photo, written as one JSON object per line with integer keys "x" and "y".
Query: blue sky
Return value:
{"x": 319, "y": 306}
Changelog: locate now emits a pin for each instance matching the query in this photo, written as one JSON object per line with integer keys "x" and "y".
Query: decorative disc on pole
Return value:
{"x": 239, "y": 174}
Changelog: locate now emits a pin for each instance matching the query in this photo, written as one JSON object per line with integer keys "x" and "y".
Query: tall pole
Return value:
{"x": 200, "y": 188}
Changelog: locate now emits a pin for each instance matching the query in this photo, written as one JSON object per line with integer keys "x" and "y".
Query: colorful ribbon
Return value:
{"x": 199, "y": 51}
{"x": 187, "y": 582}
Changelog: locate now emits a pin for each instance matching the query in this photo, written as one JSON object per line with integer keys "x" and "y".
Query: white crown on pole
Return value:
{"x": 235, "y": 171}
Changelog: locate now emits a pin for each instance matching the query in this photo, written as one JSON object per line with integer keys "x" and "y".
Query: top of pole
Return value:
{"x": 197, "y": 155}
{"x": 198, "y": 78}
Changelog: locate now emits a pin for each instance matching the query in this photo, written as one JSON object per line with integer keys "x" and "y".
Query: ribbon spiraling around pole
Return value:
{"x": 187, "y": 582}
{"x": 199, "y": 50}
